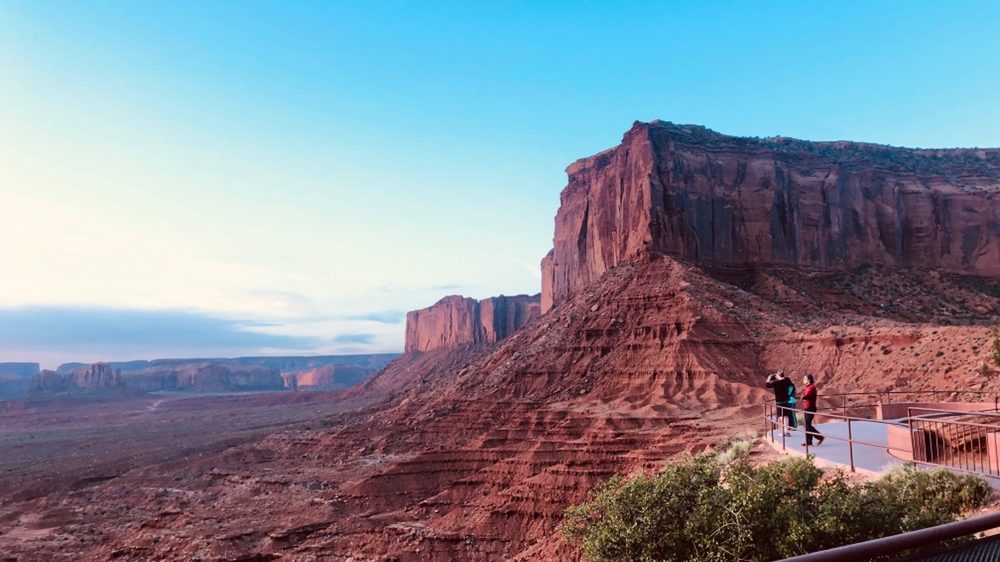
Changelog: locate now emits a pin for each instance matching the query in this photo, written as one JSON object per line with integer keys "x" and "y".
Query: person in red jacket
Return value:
{"x": 809, "y": 397}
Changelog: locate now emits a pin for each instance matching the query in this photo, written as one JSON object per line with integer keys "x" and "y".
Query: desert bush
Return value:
{"x": 930, "y": 497}
{"x": 701, "y": 509}
{"x": 995, "y": 347}
{"x": 735, "y": 447}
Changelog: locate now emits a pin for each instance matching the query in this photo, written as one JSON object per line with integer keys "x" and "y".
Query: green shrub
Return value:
{"x": 930, "y": 497}
{"x": 700, "y": 509}
{"x": 636, "y": 519}
{"x": 735, "y": 447}
{"x": 995, "y": 347}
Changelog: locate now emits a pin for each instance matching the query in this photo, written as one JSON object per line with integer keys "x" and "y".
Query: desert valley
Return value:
{"x": 686, "y": 265}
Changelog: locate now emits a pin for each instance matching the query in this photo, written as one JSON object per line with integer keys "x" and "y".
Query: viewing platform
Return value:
{"x": 871, "y": 433}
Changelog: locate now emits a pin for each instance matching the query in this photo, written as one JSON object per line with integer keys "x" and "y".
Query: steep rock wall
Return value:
{"x": 456, "y": 320}
{"x": 730, "y": 202}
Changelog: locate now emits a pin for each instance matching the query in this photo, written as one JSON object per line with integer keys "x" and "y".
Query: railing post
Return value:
{"x": 770, "y": 419}
{"x": 913, "y": 439}
{"x": 763, "y": 407}
{"x": 781, "y": 415}
{"x": 805, "y": 432}
{"x": 850, "y": 444}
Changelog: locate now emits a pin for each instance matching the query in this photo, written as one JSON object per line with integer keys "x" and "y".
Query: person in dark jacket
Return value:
{"x": 784, "y": 394}
{"x": 809, "y": 397}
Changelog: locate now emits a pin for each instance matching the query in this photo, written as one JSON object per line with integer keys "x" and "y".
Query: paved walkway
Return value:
{"x": 870, "y": 457}
{"x": 834, "y": 451}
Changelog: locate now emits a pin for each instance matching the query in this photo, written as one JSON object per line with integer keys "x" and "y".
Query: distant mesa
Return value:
{"x": 328, "y": 377}
{"x": 25, "y": 370}
{"x": 455, "y": 321}
{"x": 192, "y": 377}
{"x": 242, "y": 374}
{"x": 731, "y": 202}
{"x": 284, "y": 363}
{"x": 15, "y": 379}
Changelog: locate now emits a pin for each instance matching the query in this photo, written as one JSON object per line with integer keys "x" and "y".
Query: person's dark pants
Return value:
{"x": 785, "y": 409}
{"x": 810, "y": 428}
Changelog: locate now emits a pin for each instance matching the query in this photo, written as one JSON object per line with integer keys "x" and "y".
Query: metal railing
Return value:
{"x": 918, "y": 427}
{"x": 903, "y": 542}
{"x": 846, "y": 400}
{"x": 959, "y": 444}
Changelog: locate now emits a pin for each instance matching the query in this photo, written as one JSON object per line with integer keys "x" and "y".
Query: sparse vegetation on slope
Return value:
{"x": 995, "y": 347}
{"x": 718, "y": 507}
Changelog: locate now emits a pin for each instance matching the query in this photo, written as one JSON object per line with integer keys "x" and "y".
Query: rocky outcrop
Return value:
{"x": 15, "y": 379}
{"x": 191, "y": 377}
{"x": 98, "y": 377}
{"x": 206, "y": 377}
{"x": 730, "y": 202}
{"x": 455, "y": 320}
{"x": 328, "y": 377}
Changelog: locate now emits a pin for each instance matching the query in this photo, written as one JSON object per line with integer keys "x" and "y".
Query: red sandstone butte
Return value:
{"x": 455, "y": 320}
{"x": 328, "y": 377}
{"x": 732, "y": 202}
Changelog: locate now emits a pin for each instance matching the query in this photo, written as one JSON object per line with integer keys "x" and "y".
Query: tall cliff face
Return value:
{"x": 456, "y": 320}
{"x": 730, "y": 202}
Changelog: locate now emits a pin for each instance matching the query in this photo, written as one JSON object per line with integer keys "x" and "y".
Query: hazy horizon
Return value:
{"x": 229, "y": 179}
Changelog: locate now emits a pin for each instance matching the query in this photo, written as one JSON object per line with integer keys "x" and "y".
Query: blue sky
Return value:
{"x": 290, "y": 177}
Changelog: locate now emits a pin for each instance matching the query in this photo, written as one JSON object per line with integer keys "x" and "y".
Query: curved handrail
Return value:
{"x": 773, "y": 420}
{"x": 845, "y": 404}
{"x": 896, "y": 544}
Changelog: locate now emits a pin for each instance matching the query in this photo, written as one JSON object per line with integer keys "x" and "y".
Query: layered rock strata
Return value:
{"x": 455, "y": 320}
{"x": 731, "y": 202}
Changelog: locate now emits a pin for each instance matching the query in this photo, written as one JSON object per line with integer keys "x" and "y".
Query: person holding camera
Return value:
{"x": 784, "y": 396}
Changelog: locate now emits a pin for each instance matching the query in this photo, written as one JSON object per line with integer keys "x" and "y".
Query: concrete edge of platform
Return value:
{"x": 821, "y": 462}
